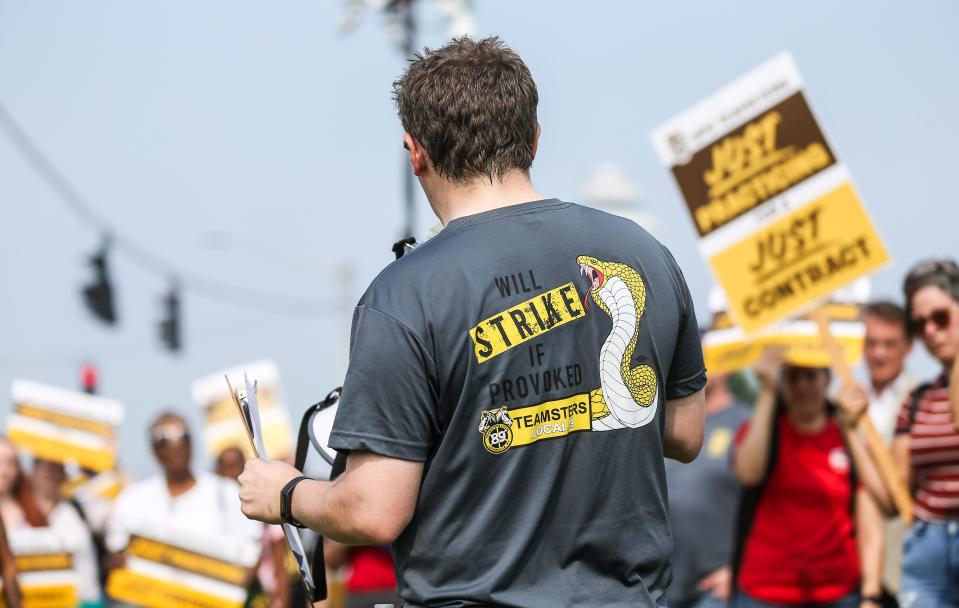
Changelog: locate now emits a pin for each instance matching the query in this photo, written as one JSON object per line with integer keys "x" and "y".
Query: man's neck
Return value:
{"x": 879, "y": 386}
{"x": 180, "y": 483}
{"x": 451, "y": 201}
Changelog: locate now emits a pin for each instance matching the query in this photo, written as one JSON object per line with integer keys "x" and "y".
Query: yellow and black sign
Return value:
{"x": 140, "y": 590}
{"x": 47, "y": 596}
{"x": 525, "y": 321}
{"x": 175, "y": 557}
{"x": 224, "y": 429}
{"x": 59, "y": 449}
{"x": 66, "y": 421}
{"x": 64, "y": 426}
{"x": 803, "y": 348}
{"x": 804, "y": 256}
{"x": 778, "y": 219}
{"x": 727, "y": 348}
{"x": 527, "y": 425}
{"x": 43, "y": 562}
{"x": 752, "y": 164}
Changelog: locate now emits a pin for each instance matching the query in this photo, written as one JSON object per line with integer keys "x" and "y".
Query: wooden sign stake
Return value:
{"x": 877, "y": 449}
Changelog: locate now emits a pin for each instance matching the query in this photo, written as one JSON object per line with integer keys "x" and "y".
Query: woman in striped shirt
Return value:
{"x": 927, "y": 443}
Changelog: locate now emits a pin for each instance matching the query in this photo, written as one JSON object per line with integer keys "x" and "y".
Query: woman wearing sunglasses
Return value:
{"x": 926, "y": 446}
{"x": 803, "y": 521}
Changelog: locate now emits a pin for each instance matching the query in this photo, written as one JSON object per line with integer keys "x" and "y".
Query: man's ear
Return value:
{"x": 539, "y": 130}
{"x": 419, "y": 161}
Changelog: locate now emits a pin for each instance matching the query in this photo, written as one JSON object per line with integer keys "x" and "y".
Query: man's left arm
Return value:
{"x": 685, "y": 426}
{"x": 370, "y": 504}
{"x": 685, "y": 395}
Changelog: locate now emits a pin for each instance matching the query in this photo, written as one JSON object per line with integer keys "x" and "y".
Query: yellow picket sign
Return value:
{"x": 800, "y": 258}
{"x": 779, "y": 221}
{"x": 143, "y": 590}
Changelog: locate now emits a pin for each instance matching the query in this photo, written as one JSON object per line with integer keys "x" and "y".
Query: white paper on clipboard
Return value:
{"x": 253, "y": 416}
{"x": 251, "y": 412}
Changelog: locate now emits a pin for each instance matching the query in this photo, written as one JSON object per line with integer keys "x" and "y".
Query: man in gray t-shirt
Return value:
{"x": 514, "y": 383}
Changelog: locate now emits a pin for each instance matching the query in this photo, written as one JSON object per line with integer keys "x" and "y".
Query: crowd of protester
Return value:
{"x": 186, "y": 500}
{"x": 783, "y": 507}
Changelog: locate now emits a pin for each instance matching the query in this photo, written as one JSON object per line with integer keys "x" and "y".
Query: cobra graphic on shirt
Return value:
{"x": 628, "y": 395}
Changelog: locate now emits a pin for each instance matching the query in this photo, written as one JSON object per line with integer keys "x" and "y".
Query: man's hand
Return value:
{"x": 719, "y": 583}
{"x": 853, "y": 403}
{"x": 260, "y": 485}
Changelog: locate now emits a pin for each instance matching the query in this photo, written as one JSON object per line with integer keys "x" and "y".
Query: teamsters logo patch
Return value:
{"x": 496, "y": 426}
{"x": 628, "y": 395}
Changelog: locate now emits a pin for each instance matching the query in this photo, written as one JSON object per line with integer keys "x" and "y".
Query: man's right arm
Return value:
{"x": 685, "y": 426}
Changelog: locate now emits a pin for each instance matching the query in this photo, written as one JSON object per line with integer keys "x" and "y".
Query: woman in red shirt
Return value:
{"x": 800, "y": 547}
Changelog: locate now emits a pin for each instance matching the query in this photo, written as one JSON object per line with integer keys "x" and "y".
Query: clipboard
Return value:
{"x": 249, "y": 411}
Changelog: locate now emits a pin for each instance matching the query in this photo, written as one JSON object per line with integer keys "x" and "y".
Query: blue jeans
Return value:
{"x": 744, "y": 601}
{"x": 711, "y": 601}
{"x": 930, "y": 566}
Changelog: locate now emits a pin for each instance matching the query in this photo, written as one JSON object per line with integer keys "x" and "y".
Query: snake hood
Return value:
{"x": 597, "y": 272}
{"x": 629, "y": 394}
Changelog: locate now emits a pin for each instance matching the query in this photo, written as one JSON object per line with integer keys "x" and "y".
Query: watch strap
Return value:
{"x": 286, "y": 501}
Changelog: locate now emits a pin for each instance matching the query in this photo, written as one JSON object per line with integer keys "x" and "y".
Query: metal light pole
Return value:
{"x": 401, "y": 26}
{"x": 409, "y": 187}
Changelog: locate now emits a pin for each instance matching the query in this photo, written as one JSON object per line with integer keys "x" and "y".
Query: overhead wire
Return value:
{"x": 212, "y": 289}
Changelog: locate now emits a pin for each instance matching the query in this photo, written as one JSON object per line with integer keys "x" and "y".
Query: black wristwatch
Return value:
{"x": 872, "y": 599}
{"x": 286, "y": 501}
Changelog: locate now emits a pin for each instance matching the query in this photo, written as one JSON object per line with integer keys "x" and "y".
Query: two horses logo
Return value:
{"x": 497, "y": 429}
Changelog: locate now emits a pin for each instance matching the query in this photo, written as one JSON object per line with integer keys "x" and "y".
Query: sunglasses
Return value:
{"x": 940, "y": 319}
{"x": 163, "y": 436}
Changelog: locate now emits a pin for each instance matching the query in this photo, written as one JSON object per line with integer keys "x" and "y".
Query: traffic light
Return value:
{"x": 89, "y": 377}
{"x": 98, "y": 295}
{"x": 170, "y": 324}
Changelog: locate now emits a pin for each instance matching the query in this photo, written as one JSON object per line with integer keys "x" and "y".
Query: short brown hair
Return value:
{"x": 888, "y": 311}
{"x": 472, "y": 105}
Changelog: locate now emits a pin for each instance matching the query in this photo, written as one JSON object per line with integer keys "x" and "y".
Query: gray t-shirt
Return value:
{"x": 525, "y": 355}
{"x": 703, "y": 499}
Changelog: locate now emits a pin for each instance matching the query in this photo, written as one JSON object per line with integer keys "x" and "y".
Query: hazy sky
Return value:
{"x": 252, "y": 143}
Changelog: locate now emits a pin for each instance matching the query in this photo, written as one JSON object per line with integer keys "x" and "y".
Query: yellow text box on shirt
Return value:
{"x": 550, "y": 419}
{"x": 525, "y": 321}
{"x": 794, "y": 261}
